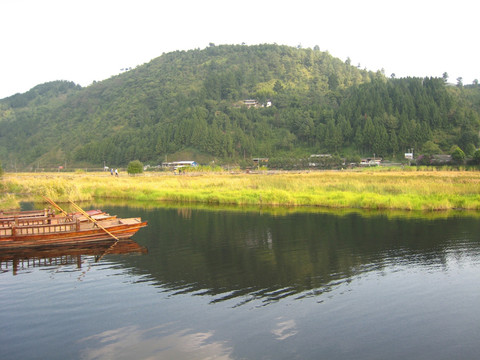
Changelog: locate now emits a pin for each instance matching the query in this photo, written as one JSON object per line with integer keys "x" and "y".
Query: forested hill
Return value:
{"x": 192, "y": 102}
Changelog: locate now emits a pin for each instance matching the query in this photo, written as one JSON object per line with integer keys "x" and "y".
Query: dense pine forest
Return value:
{"x": 190, "y": 105}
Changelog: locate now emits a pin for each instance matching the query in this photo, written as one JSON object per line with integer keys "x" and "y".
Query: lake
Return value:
{"x": 212, "y": 283}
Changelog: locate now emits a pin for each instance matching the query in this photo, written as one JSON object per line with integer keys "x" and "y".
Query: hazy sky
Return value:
{"x": 83, "y": 41}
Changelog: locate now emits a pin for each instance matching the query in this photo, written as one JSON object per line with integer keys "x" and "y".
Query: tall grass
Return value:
{"x": 405, "y": 190}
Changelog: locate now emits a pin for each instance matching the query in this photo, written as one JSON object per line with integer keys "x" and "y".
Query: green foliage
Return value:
{"x": 287, "y": 163}
{"x": 476, "y": 157}
{"x": 134, "y": 167}
{"x": 430, "y": 148}
{"x": 458, "y": 155}
{"x": 194, "y": 100}
{"x": 470, "y": 149}
{"x": 212, "y": 168}
{"x": 41, "y": 94}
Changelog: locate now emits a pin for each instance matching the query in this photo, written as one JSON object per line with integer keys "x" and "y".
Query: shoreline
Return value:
{"x": 369, "y": 190}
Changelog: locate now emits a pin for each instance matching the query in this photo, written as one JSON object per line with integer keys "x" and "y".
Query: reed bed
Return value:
{"x": 402, "y": 190}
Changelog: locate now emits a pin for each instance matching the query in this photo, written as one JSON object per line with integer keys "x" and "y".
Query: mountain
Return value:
{"x": 192, "y": 104}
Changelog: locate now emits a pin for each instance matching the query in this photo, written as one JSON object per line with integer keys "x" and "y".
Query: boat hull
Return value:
{"x": 120, "y": 230}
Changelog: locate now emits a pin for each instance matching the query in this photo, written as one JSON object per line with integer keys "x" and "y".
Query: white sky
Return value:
{"x": 87, "y": 40}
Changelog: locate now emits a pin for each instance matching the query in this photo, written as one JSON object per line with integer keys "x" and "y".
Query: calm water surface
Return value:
{"x": 252, "y": 285}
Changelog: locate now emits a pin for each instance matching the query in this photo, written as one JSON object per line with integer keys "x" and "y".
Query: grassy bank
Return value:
{"x": 437, "y": 190}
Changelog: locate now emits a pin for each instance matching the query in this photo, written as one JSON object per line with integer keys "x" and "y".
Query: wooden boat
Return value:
{"x": 38, "y": 228}
{"x": 69, "y": 229}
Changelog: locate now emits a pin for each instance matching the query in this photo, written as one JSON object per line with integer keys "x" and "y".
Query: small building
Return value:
{"x": 371, "y": 162}
{"x": 258, "y": 161}
{"x": 254, "y": 103}
{"x": 250, "y": 102}
{"x": 440, "y": 159}
{"x": 318, "y": 159}
{"x": 179, "y": 164}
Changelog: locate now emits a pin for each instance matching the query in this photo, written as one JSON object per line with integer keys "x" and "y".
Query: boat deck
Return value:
{"x": 36, "y": 228}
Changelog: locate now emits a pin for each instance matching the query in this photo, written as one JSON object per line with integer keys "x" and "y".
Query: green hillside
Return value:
{"x": 192, "y": 102}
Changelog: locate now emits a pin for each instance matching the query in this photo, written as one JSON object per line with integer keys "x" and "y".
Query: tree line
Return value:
{"x": 193, "y": 100}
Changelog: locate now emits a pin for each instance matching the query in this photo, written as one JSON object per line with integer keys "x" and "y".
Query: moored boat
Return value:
{"x": 67, "y": 230}
{"x": 44, "y": 227}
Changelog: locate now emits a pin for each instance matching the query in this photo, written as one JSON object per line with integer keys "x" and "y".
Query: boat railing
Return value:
{"x": 59, "y": 226}
{"x": 37, "y": 220}
{"x": 27, "y": 213}
{"x": 21, "y": 221}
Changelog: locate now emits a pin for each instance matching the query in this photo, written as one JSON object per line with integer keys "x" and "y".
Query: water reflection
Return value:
{"x": 257, "y": 256}
{"x": 133, "y": 342}
{"x": 284, "y": 329}
{"x": 20, "y": 259}
{"x": 258, "y": 285}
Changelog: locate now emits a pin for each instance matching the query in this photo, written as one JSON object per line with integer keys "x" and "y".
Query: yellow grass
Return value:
{"x": 406, "y": 190}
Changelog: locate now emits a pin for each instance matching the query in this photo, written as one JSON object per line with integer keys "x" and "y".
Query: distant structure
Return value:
{"x": 179, "y": 164}
{"x": 258, "y": 161}
{"x": 250, "y": 103}
{"x": 371, "y": 162}
{"x": 440, "y": 159}
{"x": 254, "y": 103}
{"x": 317, "y": 159}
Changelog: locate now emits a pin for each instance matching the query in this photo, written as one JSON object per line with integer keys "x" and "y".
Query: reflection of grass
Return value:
{"x": 278, "y": 210}
{"x": 9, "y": 202}
{"x": 420, "y": 190}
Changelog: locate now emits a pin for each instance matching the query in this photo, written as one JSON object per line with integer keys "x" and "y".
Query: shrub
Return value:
{"x": 134, "y": 167}
{"x": 430, "y": 148}
{"x": 470, "y": 149}
{"x": 458, "y": 155}
{"x": 476, "y": 157}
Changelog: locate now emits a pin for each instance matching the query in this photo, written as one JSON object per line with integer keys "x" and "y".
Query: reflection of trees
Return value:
{"x": 253, "y": 256}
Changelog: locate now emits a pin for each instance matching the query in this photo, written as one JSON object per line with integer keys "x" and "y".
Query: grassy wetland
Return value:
{"x": 368, "y": 189}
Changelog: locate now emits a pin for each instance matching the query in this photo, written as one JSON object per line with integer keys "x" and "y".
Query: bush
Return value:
{"x": 430, "y": 148}
{"x": 423, "y": 160}
{"x": 458, "y": 156}
{"x": 476, "y": 157}
{"x": 134, "y": 167}
{"x": 470, "y": 149}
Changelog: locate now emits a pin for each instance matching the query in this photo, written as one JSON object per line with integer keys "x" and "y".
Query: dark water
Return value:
{"x": 253, "y": 285}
